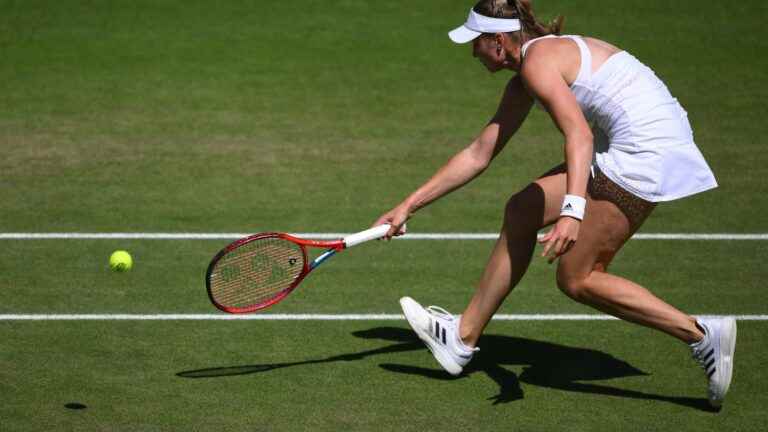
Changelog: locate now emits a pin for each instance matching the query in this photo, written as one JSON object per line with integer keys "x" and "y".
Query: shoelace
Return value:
{"x": 442, "y": 313}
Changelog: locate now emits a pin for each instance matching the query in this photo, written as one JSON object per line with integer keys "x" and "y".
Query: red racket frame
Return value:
{"x": 335, "y": 245}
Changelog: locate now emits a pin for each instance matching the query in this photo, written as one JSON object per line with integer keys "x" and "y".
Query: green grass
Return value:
{"x": 318, "y": 116}
{"x": 361, "y": 376}
{"x": 121, "y": 115}
{"x": 168, "y": 276}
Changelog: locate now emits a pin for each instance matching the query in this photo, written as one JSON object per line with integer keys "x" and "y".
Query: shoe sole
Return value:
{"x": 450, "y": 366}
{"x": 727, "y": 349}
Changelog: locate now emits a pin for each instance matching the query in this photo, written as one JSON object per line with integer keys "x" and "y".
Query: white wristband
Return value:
{"x": 573, "y": 206}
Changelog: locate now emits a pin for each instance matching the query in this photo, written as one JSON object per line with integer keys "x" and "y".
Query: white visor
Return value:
{"x": 478, "y": 24}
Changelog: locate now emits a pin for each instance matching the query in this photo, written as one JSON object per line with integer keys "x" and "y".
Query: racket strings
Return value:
{"x": 256, "y": 272}
{"x": 262, "y": 279}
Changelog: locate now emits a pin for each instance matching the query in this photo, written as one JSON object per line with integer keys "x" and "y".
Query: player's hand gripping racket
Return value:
{"x": 258, "y": 271}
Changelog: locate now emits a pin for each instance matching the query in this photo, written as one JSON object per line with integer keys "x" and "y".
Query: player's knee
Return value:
{"x": 524, "y": 210}
{"x": 573, "y": 285}
{"x": 513, "y": 205}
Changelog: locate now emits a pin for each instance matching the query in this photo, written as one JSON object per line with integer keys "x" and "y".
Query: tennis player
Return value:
{"x": 628, "y": 146}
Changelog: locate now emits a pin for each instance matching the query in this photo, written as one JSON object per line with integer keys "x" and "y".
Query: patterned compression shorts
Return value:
{"x": 636, "y": 209}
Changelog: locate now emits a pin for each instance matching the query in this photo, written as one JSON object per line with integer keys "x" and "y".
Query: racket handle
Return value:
{"x": 364, "y": 236}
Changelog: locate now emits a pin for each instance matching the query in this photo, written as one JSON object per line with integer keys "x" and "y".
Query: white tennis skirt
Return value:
{"x": 662, "y": 163}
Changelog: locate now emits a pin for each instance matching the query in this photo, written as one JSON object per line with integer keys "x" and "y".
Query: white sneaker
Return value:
{"x": 715, "y": 354}
{"x": 439, "y": 330}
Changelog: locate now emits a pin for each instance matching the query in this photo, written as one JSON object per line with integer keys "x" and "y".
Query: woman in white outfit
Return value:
{"x": 628, "y": 146}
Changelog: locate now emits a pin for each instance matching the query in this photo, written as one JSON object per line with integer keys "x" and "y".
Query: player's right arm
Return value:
{"x": 470, "y": 161}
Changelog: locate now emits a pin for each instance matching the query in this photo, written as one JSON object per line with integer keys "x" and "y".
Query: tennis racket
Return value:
{"x": 258, "y": 271}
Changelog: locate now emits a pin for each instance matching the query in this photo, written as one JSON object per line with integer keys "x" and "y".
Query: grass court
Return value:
{"x": 247, "y": 116}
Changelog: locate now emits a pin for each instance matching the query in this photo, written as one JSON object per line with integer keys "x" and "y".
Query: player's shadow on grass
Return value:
{"x": 545, "y": 364}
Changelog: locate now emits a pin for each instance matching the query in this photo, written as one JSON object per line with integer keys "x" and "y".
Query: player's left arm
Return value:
{"x": 543, "y": 77}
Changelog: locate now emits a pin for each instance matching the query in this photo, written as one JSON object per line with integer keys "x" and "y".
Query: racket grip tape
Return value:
{"x": 364, "y": 236}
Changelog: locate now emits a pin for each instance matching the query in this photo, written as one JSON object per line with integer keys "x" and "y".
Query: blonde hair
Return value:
{"x": 522, "y": 10}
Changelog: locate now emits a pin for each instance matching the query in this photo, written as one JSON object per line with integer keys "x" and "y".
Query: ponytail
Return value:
{"x": 522, "y": 10}
{"x": 531, "y": 25}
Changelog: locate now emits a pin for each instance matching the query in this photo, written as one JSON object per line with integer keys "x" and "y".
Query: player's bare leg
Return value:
{"x": 526, "y": 212}
{"x": 581, "y": 274}
{"x": 452, "y": 341}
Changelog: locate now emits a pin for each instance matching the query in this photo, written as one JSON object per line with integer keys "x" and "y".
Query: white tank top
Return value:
{"x": 643, "y": 140}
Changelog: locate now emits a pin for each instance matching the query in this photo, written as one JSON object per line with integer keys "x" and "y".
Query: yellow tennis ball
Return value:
{"x": 120, "y": 261}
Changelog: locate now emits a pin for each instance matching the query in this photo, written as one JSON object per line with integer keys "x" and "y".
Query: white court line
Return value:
{"x": 311, "y": 317}
{"x": 324, "y": 236}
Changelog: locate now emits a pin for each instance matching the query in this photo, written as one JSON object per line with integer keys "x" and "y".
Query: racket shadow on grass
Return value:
{"x": 545, "y": 364}
{"x": 409, "y": 343}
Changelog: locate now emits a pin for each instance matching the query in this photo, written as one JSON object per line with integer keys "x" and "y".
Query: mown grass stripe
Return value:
{"x": 322, "y": 236}
{"x": 312, "y": 317}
